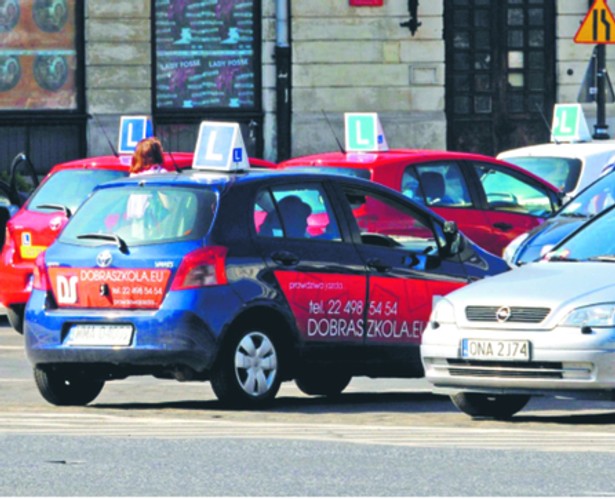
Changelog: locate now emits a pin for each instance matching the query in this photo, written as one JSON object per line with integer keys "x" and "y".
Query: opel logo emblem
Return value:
{"x": 503, "y": 314}
{"x": 104, "y": 258}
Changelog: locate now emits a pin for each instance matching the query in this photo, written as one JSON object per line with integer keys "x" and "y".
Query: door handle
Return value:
{"x": 377, "y": 265}
{"x": 503, "y": 226}
{"x": 285, "y": 258}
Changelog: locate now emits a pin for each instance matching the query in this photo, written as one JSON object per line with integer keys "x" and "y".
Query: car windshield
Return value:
{"x": 597, "y": 197}
{"x": 142, "y": 215}
{"x": 68, "y": 188}
{"x": 352, "y": 172}
{"x": 592, "y": 242}
{"x": 563, "y": 173}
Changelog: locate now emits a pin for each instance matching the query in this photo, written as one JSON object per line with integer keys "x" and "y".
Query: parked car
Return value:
{"x": 569, "y": 166}
{"x": 38, "y": 222}
{"x": 244, "y": 279}
{"x": 588, "y": 203}
{"x": 547, "y": 328}
{"x": 491, "y": 201}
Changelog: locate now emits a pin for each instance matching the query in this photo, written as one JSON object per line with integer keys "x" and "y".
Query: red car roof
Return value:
{"x": 381, "y": 159}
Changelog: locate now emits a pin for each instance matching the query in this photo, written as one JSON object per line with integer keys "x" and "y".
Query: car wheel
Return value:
{"x": 327, "y": 382}
{"x": 247, "y": 373}
{"x": 15, "y": 314}
{"x": 65, "y": 387}
{"x": 489, "y": 406}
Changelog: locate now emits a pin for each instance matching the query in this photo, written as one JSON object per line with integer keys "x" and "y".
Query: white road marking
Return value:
{"x": 105, "y": 425}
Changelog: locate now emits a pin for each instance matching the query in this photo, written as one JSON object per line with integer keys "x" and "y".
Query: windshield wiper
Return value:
{"x": 575, "y": 215}
{"x": 121, "y": 244}
{"x": 56, "y": 207}
{"x": 559, "y": 258}
{"x": 602, "y": 258}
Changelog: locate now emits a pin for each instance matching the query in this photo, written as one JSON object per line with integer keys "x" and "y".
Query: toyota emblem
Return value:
{"x": 104, "y": 258}
{"x": 503, "y": 314}
{"x": 56, "y": 223}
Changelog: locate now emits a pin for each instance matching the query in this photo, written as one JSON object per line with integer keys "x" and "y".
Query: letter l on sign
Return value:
{"x": 210, "y": 154}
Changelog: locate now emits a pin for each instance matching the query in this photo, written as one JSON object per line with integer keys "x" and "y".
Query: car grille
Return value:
{"x": 488, "y": 369}
{"x": 517, "y": 314}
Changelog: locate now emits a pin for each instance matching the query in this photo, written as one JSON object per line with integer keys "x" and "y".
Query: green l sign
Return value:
{"x": 569, "y": 124}
{"x": 363, "y": 132}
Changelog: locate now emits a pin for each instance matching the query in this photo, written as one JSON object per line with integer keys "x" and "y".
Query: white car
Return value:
{"x": 568, "y": 166}
{"x": 545, "y": 328}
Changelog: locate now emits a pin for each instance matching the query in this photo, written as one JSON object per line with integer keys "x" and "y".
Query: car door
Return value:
{"x": 442, "y": 186}
{"x": 514, "y": 204}
{"x": 406, "y": 272}
{"x": 314, "y": 262}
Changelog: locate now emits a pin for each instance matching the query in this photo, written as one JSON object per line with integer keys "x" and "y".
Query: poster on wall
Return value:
{"x": 205, "y": 54}
{"x": 38, "y": 57}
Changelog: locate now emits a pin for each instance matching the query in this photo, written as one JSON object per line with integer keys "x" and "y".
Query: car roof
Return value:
{"x": 122, "y": 162}
{"x": 382, "y": 159}
{"x": 566, "y": 150}
{"x": 221, "y": 178}
{"x": 183, "y": 160}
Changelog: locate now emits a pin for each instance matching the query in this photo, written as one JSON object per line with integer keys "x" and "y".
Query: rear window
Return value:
{"x": 69, "y": 188}
{"x": 143, "y": 215}
{"x": 563, "y": 173}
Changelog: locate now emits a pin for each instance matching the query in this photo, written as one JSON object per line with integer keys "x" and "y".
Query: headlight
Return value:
{"x": 601, "y": 315}
{"x": 443, "y": 313}
{"x": 513, "y": 246}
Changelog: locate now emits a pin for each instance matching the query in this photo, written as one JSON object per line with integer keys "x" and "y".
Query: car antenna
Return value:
{"x": 339, "y": 144}
{"x": 102, "y": 129}
{"x": 544, "y": 118}
{"x": 177, "y": 169}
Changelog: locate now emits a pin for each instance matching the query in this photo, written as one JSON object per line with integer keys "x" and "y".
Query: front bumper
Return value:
{"x": 561, "y": 360}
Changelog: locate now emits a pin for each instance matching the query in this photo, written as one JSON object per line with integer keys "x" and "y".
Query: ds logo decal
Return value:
{"x": 67, "y": 289}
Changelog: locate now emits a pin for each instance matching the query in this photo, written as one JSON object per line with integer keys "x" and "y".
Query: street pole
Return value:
{"x": 283, "y": 81}
{"x": 601, "y": 128}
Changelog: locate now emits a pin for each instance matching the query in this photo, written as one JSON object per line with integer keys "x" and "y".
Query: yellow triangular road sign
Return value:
{"x": 598, "y": 25}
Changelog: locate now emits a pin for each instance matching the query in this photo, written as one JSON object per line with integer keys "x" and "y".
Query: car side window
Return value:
{"x": 437, "y": 184}
{"x": 384, "y": 222}
{"x": 295, "y": 212}
{"x": 506, "y": 192}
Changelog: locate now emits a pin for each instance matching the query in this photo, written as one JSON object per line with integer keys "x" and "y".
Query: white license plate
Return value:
{"x": 99, "y": 335}
{"x": 495, "y": 349}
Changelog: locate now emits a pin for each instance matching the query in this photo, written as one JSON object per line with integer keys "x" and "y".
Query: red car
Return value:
{"x": 491, "y": 201}
{"x": 38, "y": 222}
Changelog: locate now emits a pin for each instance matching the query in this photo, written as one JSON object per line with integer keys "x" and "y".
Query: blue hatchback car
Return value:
{"x": 244, "y": 279}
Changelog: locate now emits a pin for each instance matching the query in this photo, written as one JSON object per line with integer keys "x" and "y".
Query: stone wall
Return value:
{"x": 360, "y": 59}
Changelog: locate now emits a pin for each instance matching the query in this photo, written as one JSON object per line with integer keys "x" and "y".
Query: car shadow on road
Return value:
{"x": 346, "y": 403}
{"x": 586, "y": 419}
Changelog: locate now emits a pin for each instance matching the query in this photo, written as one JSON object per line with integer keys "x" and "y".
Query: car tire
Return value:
{"x": 65, "y": 387}
{"x": 489, "y": 406}
{"x": 15, "y": 314}
{"x": 325, "y": 382}
{"x": 248, "y": 371}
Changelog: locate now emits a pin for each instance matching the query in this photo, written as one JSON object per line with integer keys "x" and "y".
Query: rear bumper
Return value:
{"x": 16, "y": 283}
{"x": 174, "y": 336}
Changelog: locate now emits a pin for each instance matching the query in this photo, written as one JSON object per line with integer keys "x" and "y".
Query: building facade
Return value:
{"x": 478, "y": 75}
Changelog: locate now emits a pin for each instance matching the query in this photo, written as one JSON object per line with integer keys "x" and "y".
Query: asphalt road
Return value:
{"x": 146, "y": 437}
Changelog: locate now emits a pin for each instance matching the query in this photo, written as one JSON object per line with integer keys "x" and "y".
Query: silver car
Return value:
{"x": 547, "y": 328}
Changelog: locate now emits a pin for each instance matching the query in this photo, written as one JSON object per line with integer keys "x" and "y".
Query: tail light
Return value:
{"x": 41, "y": 279}
{"x": 9, "y": 246}
{"x": 201, "y": 267}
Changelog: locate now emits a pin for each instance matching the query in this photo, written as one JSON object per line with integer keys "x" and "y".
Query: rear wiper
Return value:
{"x": 56, "y": 207}
{"x": 121, "y": 244}
{"x": 602, "y": 258}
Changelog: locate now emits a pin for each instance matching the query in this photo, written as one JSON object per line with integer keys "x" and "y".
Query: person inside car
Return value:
{"x": 147, "y": 157}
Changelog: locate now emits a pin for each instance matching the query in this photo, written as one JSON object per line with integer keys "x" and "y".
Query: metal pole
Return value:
{"x": 601, "y": 128}
{"x": 283, "y": 79}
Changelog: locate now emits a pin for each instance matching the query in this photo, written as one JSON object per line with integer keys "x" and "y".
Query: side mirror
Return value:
{"x": 453, "y": 238}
